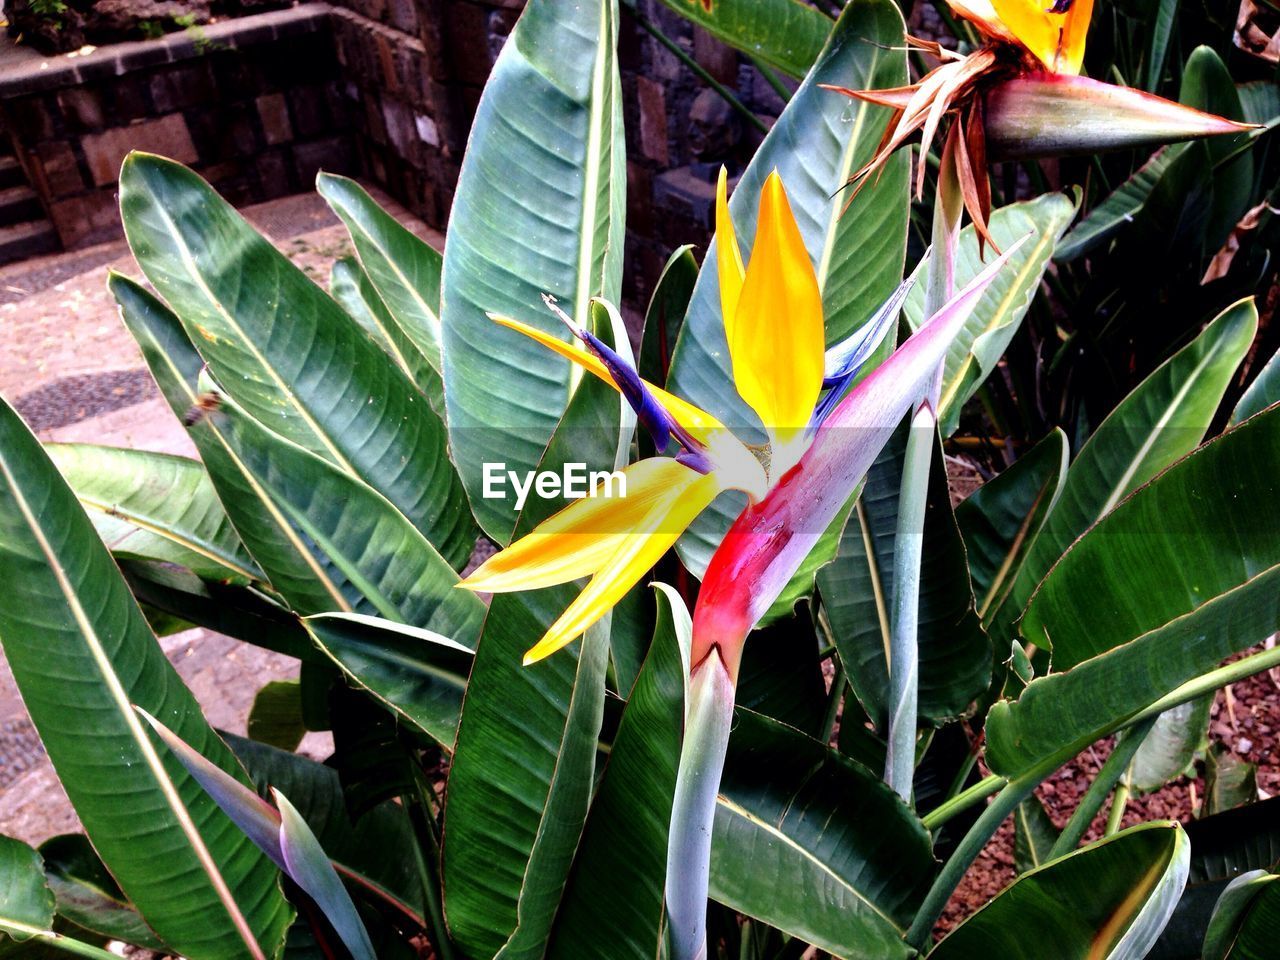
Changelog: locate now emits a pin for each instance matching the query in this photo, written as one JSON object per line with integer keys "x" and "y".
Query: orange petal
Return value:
{"x": 776, "y": 338}
{"x": 635, "y": 556}
{"x": 1055, "y": 39}
{"x": 581, "y": 539}
{"x": 728, "y": 253}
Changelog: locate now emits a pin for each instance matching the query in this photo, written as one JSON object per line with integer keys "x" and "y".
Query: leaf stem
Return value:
{"x": 953, "y": 871}
{"x": 1119, "y": 800}
{"x": 962, "y": 801}
{"x": 833, "y": 704}
{"x": 427, "y": 854}
{"x": 908, "y": 547}
{"x": 56, "y": 940}
{"x": 1112, "y": 769}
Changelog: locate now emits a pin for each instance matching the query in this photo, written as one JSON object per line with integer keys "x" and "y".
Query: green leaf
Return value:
{"x": 955, "y": 655}
{"x": 419, "y": 674}
{"x": 1229, "y": 781}
{"x": 88, "y": 896}
{"x": 364, "y": 550}
{"x": 973, "y": 354}
{"x": 624, "y": 843}
{"x": 1179, "y": 576}
{"x": 1262, "y": 393}
{"x": 276, "y": 715}
{"x": 1244, "y": 922}
{"x": 352, "y": 288}
{"x": 781, "y": 676}
{"x": 153, "y": 506}
{"x": 524, "y": 763}
{"x": 177, "y": 368}
{"x": 25, "y": 898}
{"x": 820, "y": 140}
{"x": 82, "y": 656}
{"x": 370, "y": 851}
{"x": 1110, "y": 216}
{"x": 1033, "y": 835}
{"x": 1171, "y": 745}
{"x": 1108, "y": 900}
{"x": 287, "y": 352}
{"x": 239, "y": 612}
{"x": 1259, "y": 101}
{"x": 815, "y": 844}
{"x": 664, "y": 317}
{"x": 786, "y": 34}
{"x": 539, "y": 208}
{"x": 999, "y": 520}
{"x": 404, "y": 270}
{"x": 1164, "y": 418}
{"x": 1160, "y": 33}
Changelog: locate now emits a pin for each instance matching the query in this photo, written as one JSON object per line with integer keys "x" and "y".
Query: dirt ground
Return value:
{"x": 68, "y": 365}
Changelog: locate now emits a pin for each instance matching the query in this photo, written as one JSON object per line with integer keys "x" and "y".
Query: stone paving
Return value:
{"x": 70, "y": 368}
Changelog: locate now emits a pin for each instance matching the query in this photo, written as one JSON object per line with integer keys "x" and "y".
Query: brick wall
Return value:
{"x": 252, "y": 104}
{"x": 386, "y": 88}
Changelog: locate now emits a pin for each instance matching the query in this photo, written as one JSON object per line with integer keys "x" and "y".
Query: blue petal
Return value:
{"x": 648, "y": 411}
{"x": 846, "y": 358}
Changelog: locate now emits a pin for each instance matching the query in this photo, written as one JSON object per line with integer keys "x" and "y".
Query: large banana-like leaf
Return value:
{"x": 1107, "y": 901}
{"x": 287, "y": 352}
{"x": 1179, "y": 576}
{"x": 309, "y": 585}
{"x": 815, "y": 844}
{"x": 1123, "y": 204}
{"x": 857, "y": 590}
{"x": 539, "y": 208}
{"x": 366, "y": 550}
{"x": 404, "y": 269}
{"x": 420, "y": 675}
{"x": 1171, "y": 745}
{"x": 999, "y": 520}
{"x": 524, "y": 761}
{"x": 624, "y": 843}
{"x": 82, "y": 656}
{"x": 1160, "y": 421}
{"x": 352, "y": 288}
{"x": 153, "y": 506}
{"x": 786, "y": 34}
{"x": 973, "y": 354}
{"x": 820, "y": 140}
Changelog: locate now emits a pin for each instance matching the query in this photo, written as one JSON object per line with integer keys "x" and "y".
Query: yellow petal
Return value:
{"x": 581, "y": 539}
{"x": 640, "y": 550}
{"x": 700, "y": 424}
{"x": 776, "y": 339}
{"x": 982, "y": 14}
{"x": 1055, "y": 39}
{"x": 728, "y": 253}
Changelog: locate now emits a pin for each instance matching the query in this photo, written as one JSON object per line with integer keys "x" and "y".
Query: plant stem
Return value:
{"x": 56, "y": 940}
{"x": 833, "y": 704}
{"x": 1119, "y": 801}
{"x": 962, "y": 801}
{"x": 908, "y": 540}
{"x": 427, "y": 853}
{"x": 1005, "y": 802}
{"x": 1089, "y": 805}
{"x": 908, "y": 547}
{"x": 693, "y": 807}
